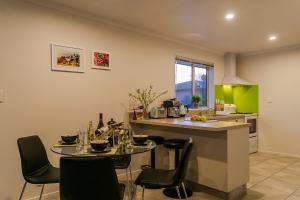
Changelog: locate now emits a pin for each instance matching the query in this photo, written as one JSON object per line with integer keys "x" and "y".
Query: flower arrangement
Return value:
{"x": 145, "y": 97}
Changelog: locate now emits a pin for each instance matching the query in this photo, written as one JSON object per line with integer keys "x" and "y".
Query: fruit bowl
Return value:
{"x": 198, "y": 118}
{"x": 99, "y": 145}
{"x": 69, "y": 139}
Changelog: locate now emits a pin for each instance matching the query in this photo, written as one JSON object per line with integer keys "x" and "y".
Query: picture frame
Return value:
{"x": 67, "y": 58}
{"x": 101, "y": 60}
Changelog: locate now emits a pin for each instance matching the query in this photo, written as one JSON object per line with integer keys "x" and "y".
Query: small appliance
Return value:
{"x": 173, "y": 112}
{"x": 158, "y": 113}
{"x": 183, "y": 110}
{"x": 228, "y": 109}
{"x": 172, "y": 106}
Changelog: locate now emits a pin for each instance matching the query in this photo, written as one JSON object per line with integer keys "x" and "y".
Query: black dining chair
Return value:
{"x": 36, "y": 168}
{"x": 161, "y": 178}
{"x": 88, "y": 178}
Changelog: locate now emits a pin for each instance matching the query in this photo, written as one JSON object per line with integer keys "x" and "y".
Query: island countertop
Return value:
{"x": 212, "y": 125}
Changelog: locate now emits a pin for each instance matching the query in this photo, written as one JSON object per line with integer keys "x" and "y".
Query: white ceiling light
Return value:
{"x": 272, "y": 38}
{"x": 229, "y": 16}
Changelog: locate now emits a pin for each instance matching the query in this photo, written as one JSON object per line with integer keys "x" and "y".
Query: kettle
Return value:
{"x": 183, "y": 110}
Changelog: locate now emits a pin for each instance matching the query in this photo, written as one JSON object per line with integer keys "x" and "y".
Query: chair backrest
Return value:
{"x": 88, "y": 178}
{"x": 183, "y": 163}
{"x": 33, "y": 155}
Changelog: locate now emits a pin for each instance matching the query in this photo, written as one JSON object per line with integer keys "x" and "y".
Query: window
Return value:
{"x": 191, "y": 79}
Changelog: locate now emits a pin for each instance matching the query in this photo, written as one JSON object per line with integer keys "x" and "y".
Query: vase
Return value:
{"x": 145, "y": 114}
{"x": 196, "y": 104}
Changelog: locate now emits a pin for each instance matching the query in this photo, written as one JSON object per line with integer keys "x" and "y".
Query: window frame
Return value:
{"x": 209, "y": 80}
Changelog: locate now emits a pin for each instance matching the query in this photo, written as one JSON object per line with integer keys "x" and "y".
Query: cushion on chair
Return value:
{"x": 36, "y": 168}
{"x": 157, "y": 139}
{"x": 44, "y": 176}
{"x": 174, "y": 143}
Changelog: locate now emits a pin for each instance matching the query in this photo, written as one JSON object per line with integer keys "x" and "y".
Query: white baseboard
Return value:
{"x": 56, "y": 192}
{"x": 279, "y": 153}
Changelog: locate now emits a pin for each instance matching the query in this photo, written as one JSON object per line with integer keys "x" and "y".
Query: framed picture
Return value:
{"x": 101, "y": 60}
{"x": 67, "y": 58}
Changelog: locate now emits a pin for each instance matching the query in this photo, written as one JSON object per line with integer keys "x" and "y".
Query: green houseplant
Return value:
{"x": 196, "y": 101}
{"x": 145, "y": 97}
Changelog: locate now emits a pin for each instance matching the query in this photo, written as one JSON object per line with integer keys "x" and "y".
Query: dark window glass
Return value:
{"x": 187, "y": 85}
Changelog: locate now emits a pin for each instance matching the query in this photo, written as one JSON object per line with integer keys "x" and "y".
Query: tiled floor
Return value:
{"x": 272, "y": 177}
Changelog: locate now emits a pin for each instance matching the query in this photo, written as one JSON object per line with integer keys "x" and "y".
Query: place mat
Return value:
{"x": 65, "y": 145}
{"x": 111, "y": 151}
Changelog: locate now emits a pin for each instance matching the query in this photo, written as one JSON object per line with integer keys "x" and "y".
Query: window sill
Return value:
{"x": 199, "y": 109}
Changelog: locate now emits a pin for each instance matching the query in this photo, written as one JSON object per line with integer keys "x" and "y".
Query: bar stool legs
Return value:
{"x": 184, "y": 190}
{"x": 153, "y": 158}
{"x": 178, "y": 192}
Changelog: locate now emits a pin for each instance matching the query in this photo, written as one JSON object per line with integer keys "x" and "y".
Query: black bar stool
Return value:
{"x": 176, "y": 144}
{"x": 159, "y": 141}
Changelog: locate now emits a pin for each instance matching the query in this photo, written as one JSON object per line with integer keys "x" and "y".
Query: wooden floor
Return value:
{"x": 272, "y": 177}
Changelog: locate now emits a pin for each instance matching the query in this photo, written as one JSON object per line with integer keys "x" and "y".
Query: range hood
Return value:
{"x": 230, "y": 77}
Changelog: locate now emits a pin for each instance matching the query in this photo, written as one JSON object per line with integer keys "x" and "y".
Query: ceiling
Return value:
{"x": 200, "y": 22}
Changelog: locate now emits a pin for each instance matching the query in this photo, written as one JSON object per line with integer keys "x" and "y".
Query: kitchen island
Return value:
{"x": 219, "y": 162}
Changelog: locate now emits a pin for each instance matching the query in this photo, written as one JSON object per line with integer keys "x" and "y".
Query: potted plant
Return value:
{"x": 196, "y": 101}
{"x": 145, "y": 97}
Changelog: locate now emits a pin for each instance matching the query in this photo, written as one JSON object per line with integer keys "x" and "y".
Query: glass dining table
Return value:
{"x": 86, "y": 150}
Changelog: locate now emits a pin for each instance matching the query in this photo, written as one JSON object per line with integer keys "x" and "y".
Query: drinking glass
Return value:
{"x": 82, "y": 136}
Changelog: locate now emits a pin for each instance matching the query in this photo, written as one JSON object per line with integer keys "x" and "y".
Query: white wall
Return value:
{"x": 277, "y": 75}
{"x": 39, "y": 101}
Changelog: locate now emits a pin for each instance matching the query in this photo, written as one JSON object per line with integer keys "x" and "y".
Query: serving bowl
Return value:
{"x": 140, "y": 139}
{"x": 99, "y": 145}
{"x": 69, "y": 138}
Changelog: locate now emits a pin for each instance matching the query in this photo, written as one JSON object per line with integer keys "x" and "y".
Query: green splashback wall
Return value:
{"x": 245, "y": 97}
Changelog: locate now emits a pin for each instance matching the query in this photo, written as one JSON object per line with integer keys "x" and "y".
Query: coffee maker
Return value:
{"x": 172, "y": 107}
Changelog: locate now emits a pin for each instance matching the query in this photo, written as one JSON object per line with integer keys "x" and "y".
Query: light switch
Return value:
{"x": 269, "y": 100}
{"x": 1, "y": 96}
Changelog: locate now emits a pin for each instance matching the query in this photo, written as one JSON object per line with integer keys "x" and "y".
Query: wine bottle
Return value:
{"x": 90, "y": 132}
{"x": 100, "y": 124}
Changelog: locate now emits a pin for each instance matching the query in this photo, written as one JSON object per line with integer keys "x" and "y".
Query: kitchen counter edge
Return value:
{"x": 181, "y": 123}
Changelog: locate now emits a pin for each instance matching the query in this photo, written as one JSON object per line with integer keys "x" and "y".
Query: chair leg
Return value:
{"x": 143, "y": 192}
{"x": 134, "y": 188}
{"x": 131, "y": 180}
{"x": 128, "y": 184}
{"x": 185, "y": 194}
{"x": 42, "y": 192}
{"x": 23, "y": 189}
{"x": 178, "y": 192}
{"x": 130, "y": 173}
